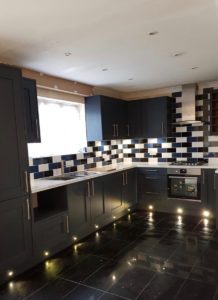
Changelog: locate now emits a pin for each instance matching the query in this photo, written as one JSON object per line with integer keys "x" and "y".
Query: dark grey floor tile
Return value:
{"x": 164, "y": 248}
{"x": 194, "y": 290}
{"x": 111, "y": 249}
{"x": 108, "y": 296}
{"x": 177, "y": 269}
{"x": 84, "y": 269}
{"x": 163, "y": 286}
{"x": 132, "y": 282}
{"x": 55, "y": 290}
{"x": 83, "y": 293}
{"x": 205, "y": 275}
{"x": 24, "y": 285}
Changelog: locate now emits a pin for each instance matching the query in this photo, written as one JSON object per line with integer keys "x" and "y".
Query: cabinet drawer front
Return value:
{"x": 48, "y": 234}
{"x": 153, "y": 171}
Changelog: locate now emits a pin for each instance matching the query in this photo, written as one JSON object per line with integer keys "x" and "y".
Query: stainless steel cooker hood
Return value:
{"x": 188, "y": 105}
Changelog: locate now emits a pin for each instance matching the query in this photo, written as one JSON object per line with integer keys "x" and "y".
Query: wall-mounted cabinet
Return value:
{"x": 213, "y": 100}
{"x": 31, "y": 111}
{"x": 106, "y": 118}
{"x": 109, "y": 118}
{"x": 149, "y": 118}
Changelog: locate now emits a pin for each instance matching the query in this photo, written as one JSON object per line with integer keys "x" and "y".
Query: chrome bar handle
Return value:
{"x": 93, "y": 188}
{"x": 123, "y": 179}
{"x": 114, "y": 127}
{"x": 88, "y": 189}
{"x": 28, "y": 208}
{"x": 67, "y": 224}
{"x": 26, "y": 182}
{"x": 203, "y": 173}
{"x": 37, "y": 129}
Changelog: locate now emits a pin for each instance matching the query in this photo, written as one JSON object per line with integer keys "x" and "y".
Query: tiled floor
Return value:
{"x": 139, "y": 257}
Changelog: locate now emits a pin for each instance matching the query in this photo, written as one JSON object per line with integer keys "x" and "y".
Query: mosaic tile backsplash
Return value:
{"x": 190, "y": 142}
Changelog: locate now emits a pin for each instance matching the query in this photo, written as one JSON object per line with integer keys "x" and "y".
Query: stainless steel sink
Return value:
{"x": 73, "y": 175}
{"x": 64, "y": 177}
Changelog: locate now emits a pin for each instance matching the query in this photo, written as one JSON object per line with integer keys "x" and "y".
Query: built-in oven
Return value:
{"x": 184, "y": 184}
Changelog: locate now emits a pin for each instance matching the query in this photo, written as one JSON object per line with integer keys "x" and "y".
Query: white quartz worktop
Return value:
{"x": 39, "y": 185}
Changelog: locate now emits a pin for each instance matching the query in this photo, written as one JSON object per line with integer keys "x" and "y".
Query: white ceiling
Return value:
{"x": 113, "y": 34}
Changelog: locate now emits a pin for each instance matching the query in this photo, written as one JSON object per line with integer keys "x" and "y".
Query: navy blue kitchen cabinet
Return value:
{"x": 150, "y": 118}
{"x": 15, "y": 237}
{"x": 50, "y": 222}
{"x": 119, "y": 193}
{"x": 86, "y": 207}
{"x": 152, "y": 188}
{"x": 79, "y": 209}
{"x": 13, "y": 158}
{"x": 15, "y": 223}
{"x": 114, "y": 204}
{"x": 31, "y": 111}
{"x": 208, "y": 190}
{"x": 106, "y": 118}
{"x": 129, "y": 190}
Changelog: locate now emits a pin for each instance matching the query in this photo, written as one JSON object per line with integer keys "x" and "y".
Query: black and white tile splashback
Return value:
{"x": 96, "y": 154}
{"x": 188, "y": 142}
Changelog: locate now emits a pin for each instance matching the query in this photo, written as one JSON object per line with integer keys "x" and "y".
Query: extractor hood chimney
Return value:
{"x": 188, "y": 105}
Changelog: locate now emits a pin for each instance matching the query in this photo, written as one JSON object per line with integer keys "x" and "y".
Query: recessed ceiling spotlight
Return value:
{"x": 130, "y": 78}
{"x": 194, "y": 68}
{"x": 177, "y": 54}
{"x": 153, "y": 32}
{"x": 104, "y": 70}
{"x": 67, "y": 53}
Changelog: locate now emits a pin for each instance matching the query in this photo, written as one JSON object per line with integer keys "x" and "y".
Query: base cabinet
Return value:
{"x": 208, "y": 190}
{"x": 50, "y": 235}
{"x": 15, "y": 236}
{"x": 152, "y": 189}
{"x": 86, "y": 207}
{"x": 129, "y": 190}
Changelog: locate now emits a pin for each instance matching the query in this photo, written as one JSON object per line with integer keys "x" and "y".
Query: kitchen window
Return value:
{"x": 62, "y": 126}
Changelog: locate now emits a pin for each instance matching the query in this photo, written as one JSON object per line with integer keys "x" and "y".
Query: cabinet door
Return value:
{"x": 121, "y": 119}
{"x": 31, "y": 111}
{"x": 113, "y": 194}
{"x": 208, "y": 190}
{"x": 152, "y": 189}
{"x": 97, "y": 201}
{"x": 154, "y": 117}
{"x": 129, "y": 189}
{"x": 109, "y": 118}
{"x": 15, "y": 234}
{"x": 49, "y": 234}
{"x": 79, "y": 209}
{"x": 134, "y": 119}
{"x": 13, "y": 159}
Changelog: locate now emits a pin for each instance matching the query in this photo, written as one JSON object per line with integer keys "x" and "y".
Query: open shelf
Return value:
{"x": 49, "y": 203}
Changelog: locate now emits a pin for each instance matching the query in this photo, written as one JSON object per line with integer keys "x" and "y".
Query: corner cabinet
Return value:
{"x": 106, "y": 118}
{"x": 31, "y": 110}
{"x": 149, "y": 118}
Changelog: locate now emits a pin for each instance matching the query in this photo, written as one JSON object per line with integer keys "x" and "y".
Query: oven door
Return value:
{"x": 184, "y": 187}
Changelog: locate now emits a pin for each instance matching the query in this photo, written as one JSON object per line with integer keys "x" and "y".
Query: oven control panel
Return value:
{"x": 184, "y": 171}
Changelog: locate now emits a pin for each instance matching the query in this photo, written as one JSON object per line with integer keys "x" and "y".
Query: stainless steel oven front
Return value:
{"x": 184, "y": 184}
